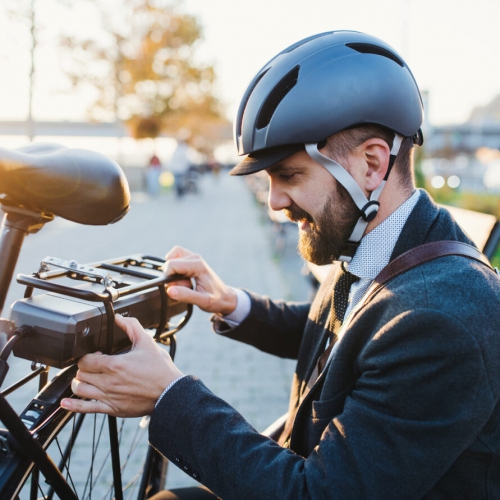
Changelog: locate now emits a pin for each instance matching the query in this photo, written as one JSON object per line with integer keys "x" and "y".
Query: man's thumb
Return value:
{"x": 131, "y": 327}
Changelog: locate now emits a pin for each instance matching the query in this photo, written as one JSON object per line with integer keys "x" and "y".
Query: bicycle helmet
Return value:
{"x": 317, "y": 87}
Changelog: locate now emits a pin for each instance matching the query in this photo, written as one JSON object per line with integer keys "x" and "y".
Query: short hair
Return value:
{"x": 339, "y": 145}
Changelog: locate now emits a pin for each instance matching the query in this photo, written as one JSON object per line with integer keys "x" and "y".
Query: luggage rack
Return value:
{"x": 132, "y": 286}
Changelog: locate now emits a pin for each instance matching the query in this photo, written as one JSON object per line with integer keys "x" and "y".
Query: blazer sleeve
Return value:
{"x": 422, "y": 396}
{"x": 275, "y": 327}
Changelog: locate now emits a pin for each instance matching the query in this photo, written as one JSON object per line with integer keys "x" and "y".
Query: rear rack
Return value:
{"x": 133, "y": 285}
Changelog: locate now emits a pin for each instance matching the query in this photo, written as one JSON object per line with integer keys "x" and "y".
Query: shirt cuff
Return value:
{"x": 242, "y": 310}
{"x": 168, "y": 388}
{"x": 243, "y": 305}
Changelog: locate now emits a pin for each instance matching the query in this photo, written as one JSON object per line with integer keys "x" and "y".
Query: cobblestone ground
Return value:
{"x": 224, "y": 224}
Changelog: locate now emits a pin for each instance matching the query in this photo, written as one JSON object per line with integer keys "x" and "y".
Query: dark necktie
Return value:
{"x": 340, "y": 299}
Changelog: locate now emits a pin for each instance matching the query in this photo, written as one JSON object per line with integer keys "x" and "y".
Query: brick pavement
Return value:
{"x": 224, "y": 224}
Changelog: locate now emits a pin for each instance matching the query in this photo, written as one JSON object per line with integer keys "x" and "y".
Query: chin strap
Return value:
{"x": 367, "y": 207}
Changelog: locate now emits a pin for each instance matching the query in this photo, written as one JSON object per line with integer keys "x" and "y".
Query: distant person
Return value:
{"x": 397, "y": 397}
{"x": 153, "y": 175}
{"x": 214, "y": 166}
{"x": 179, "y": 166}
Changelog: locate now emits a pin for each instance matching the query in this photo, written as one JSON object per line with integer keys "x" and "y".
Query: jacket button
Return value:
{"x": 178, "y": 459}
{"x": 195, "y": 475}
{"x": 186, "y": 468}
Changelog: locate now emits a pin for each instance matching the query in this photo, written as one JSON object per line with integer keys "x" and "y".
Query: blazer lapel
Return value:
{"x": 418, "y": 225}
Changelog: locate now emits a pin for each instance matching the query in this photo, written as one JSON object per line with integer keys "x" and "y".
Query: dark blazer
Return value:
{"x": 408, "y": 407}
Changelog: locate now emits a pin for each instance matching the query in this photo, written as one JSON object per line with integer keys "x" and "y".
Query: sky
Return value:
{"x": 451, "y": 47}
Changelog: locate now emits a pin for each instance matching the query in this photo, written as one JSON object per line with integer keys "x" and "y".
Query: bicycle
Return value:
{"x": 74, "y": 314}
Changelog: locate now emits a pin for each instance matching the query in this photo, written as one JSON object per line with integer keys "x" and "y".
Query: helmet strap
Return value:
{"x": 368, "y": 207}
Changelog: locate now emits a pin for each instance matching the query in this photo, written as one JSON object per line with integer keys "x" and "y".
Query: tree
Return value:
{"x": 24, "y": 12}
{"x": 143, "y": 70}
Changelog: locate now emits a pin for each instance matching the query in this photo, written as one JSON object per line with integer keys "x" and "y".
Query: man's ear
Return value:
{"x": 375, "y": 154}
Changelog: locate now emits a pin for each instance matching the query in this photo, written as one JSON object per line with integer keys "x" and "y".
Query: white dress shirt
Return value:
{"x": 375, "y": 250}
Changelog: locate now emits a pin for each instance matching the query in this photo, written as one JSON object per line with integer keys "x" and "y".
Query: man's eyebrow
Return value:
{"x": 279, "y": 167}
{"x": 275, "y": 168}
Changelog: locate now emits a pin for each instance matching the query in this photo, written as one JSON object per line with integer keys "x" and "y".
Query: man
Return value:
{"x": 395, "y": 397}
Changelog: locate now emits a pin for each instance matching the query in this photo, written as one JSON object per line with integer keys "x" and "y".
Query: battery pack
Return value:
{"x": 67, "y": 327}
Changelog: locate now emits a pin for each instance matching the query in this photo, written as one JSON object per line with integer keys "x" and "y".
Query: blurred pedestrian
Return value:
{"x": 214, "y": 166}
{"x": 179, "y": 166}
{"x": 153, "y": 175}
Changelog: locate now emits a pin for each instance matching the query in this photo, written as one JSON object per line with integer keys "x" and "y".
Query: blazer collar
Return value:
{"x": 418, "y": 225}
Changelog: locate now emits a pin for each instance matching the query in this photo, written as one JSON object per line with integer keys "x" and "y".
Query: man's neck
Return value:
{"x": 392, "y": 197}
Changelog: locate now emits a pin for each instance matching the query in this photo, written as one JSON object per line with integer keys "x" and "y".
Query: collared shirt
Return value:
{"x": 375, "y": 250}
{"x": 372, "y": 255}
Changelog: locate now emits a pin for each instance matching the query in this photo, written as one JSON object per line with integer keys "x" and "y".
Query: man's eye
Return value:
{"x": 287, "y": 177}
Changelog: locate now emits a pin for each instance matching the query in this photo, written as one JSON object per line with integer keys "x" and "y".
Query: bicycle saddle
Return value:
{"x": 79, "y": 185}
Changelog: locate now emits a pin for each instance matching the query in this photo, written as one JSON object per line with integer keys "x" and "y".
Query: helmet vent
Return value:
{"x": 247, "y": 95}
{"x": 368, "y": 48}
{"x": 276, "y": 96}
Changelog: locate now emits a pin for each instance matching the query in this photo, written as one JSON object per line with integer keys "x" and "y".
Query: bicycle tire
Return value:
{"x": 49, "y": 421}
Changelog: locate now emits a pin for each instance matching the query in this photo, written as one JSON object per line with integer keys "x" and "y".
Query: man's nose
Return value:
{"x": 278, "y": 199}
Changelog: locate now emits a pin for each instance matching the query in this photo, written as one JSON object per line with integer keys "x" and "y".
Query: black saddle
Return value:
{"x": 76, "y": 184}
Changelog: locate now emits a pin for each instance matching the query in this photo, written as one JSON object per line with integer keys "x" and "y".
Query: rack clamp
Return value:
{"x": 100, "y": 275}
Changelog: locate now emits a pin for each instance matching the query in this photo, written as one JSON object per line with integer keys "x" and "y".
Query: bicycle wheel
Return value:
{"x": 85, "y": 448}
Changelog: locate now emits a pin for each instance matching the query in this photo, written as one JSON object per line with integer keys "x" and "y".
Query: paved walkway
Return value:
{"x": 224, "y": 224}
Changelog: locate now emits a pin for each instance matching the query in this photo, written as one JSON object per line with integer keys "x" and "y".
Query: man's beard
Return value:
{"x": 329, "y": 233}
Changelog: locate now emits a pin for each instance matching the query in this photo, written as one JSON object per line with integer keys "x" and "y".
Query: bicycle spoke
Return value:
{"x": 135, "y": 442}
{"x": 133, "y": 483}
{"x": 133, "y": 446}
{"x": 65, "y": 461}
{"x": 70, "y": 446}
{"x": 74, "y": 433}
{"x": 68, "y": 474}
{"x": 41, "y": 491}
{"x": 35, "y": 484}
{"x": 90, "y": 482}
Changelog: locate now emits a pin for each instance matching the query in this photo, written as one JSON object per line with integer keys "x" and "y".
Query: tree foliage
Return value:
{"x": 143, "y": 70}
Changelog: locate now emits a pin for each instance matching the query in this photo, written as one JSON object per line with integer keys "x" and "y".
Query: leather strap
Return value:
{"x": 427, "y": 252}
{"x": 406, "y": 261}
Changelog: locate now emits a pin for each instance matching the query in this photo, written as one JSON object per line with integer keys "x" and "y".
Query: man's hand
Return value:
{"x": 123, "y": 385}
{"x": 210, "y": 295}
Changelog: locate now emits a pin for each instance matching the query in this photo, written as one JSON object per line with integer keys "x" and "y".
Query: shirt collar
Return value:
{"x": 375, "y": 249}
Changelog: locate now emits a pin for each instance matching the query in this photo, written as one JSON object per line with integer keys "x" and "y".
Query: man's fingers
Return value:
{"x": 192, "y": 267}
{"x": 132, "y": 328}
{"x": 177, "y": 252}
{"x": 79, "y": 406}
{"x": 188, "y": 296}
{"x": 95, "y": 362}
{"x": 85, "y": 390}
{"x": 182, "y": 282}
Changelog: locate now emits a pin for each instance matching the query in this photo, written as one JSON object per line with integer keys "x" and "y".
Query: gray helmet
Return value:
{"x": 319, "y": 86}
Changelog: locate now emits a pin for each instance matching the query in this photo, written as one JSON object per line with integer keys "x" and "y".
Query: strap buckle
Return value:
{"x": 349, "y": 251}
{"x": 370, "y": 210}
